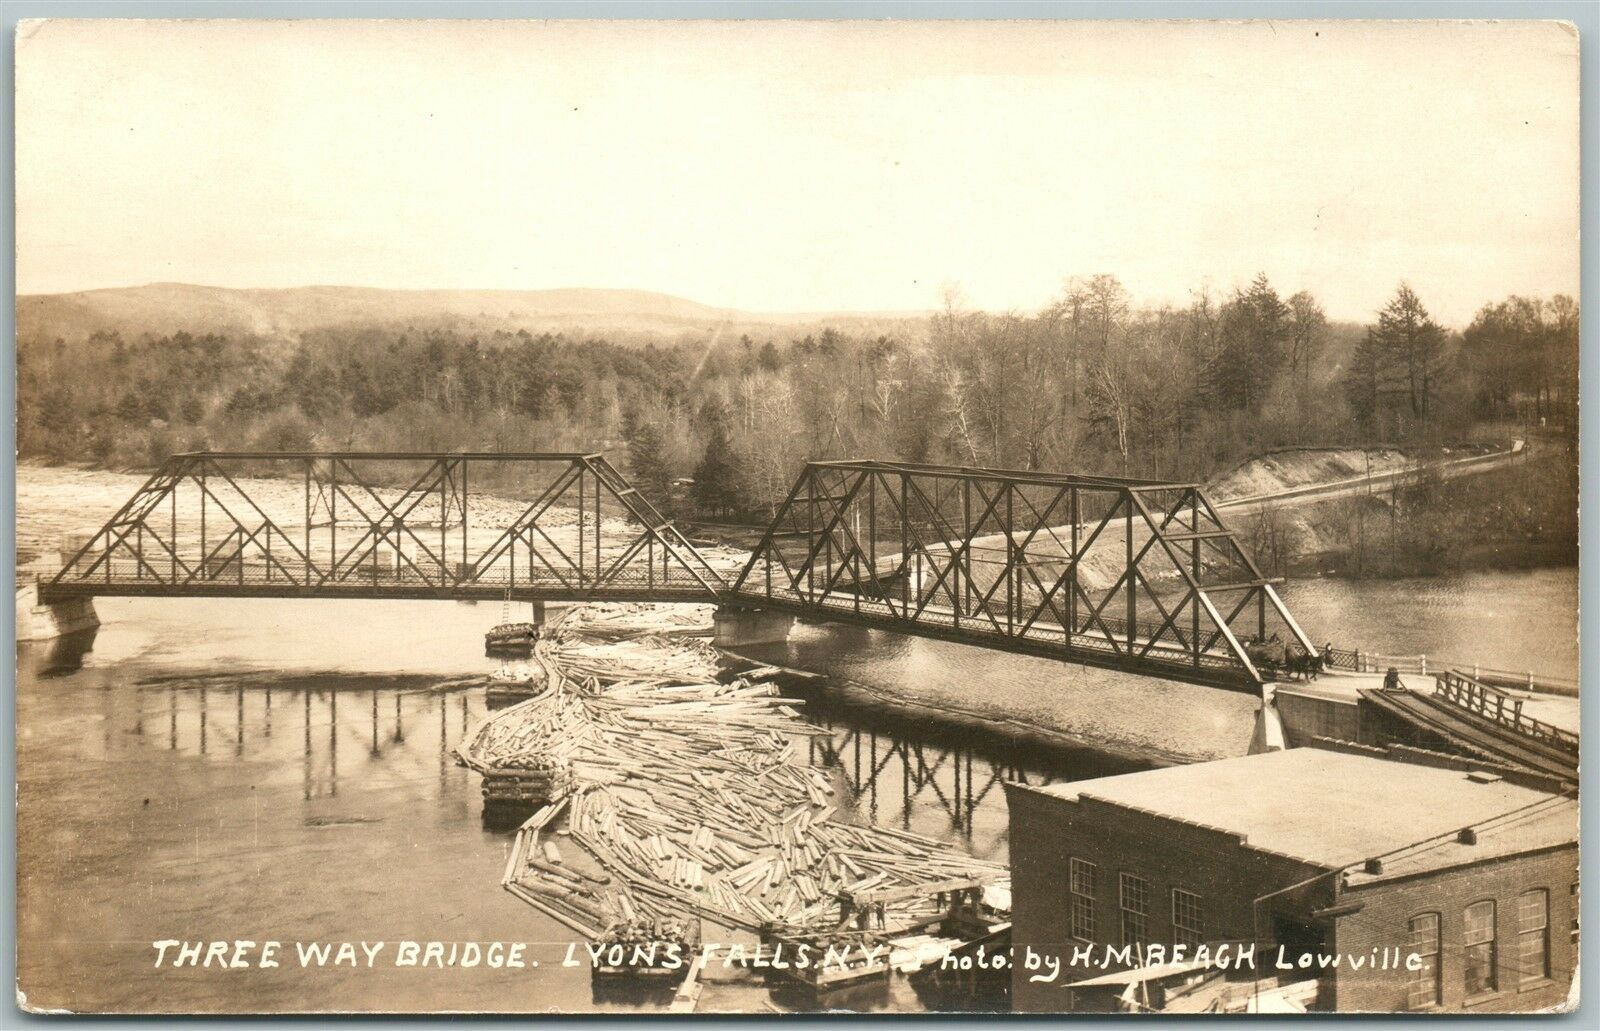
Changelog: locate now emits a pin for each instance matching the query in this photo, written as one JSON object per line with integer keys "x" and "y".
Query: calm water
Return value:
{"x": 281, "y": 770}
{"x": 1499, "y": 620}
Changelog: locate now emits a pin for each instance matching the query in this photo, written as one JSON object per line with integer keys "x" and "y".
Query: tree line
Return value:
{"x": 1092, "y": 382}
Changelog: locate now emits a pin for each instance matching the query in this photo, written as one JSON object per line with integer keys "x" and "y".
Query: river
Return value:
{"x": 281, "y": 770}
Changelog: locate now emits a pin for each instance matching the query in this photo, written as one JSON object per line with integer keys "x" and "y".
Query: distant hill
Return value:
{"x": 624, "y": 316}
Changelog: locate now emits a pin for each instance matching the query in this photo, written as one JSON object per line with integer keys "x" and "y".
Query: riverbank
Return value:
{"x": 1516, "y": 515}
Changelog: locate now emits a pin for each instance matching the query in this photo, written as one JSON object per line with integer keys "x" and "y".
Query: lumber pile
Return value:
{"x": 687, "y": 797}
{"x": 629, "y": 621}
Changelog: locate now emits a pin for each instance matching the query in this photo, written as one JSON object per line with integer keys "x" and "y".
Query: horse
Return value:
{"x": 1269, "y": 656}
{"x": 1305, "y": 665}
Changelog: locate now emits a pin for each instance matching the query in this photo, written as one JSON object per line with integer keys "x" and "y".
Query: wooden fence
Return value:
{"x": 1493, "y": 704}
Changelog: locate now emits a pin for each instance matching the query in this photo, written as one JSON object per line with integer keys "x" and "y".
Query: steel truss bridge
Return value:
{"x": 1127, "y": 574}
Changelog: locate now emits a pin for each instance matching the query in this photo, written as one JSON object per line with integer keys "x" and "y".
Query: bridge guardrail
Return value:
{"x": 1085, "y": 639}
{"x": 231, "y": 570}
{"x": 1496, "y": 705}
{"x": 1356, "y": 661}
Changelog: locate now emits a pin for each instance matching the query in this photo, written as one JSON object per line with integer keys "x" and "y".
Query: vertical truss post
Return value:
{"x": 872, "y": 535}
{"x": 1132, "y": 572}
{"x": 905, "y": 550}
{"x": 1013, "y": 587}
{"x": 854, "y": 534}
{"x": 818, "y": 538}
{"x": 1072, "y": 571}
{"x": 1194, "y": 574}
{"x": 824, "y": 535}
{"x": 172, "y": 498}
{"x": 306, "y": 576}
{"x": 965, "y": 554}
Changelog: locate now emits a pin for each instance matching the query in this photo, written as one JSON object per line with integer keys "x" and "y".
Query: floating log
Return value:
{"x": 687, "y": 796}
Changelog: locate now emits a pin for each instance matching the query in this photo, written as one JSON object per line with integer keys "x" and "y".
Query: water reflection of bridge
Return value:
{"x": 880, "y": 769}
{"x": 339, "y": 731}
{"x": 335, "y": 733}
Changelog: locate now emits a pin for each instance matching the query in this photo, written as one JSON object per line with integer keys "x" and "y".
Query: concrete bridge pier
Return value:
{"x": 41, "y": 622}
{"x": 1269, "y": 735}
{"x": 740, "y": 625}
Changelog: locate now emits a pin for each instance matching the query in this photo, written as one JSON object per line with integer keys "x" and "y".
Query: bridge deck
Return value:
{"x": 392, "y": 590}
{"x": 1044, "y": 639}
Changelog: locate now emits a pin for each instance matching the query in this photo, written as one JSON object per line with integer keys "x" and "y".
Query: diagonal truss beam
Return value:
{"x": 983, "y": 556}
{"x": 391, "y": 524}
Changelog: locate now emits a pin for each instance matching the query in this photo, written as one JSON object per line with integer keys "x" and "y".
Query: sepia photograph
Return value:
{"x": 791, "y": 517}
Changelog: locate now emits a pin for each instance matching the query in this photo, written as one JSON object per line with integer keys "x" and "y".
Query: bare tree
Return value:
{"x": 1308, "y": 327}
{"x": 1067, "y": 313}
{"x": 1107, "y": 306}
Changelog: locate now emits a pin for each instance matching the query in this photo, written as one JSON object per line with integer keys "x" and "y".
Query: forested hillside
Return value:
{"x": 1092, "y": 382}
{"x": 622, "y": 316}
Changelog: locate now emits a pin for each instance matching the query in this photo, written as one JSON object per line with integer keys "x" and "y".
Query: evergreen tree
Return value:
{"x": 1401, "y": 357}
{"x": 647, "y": 463}
{"x": 1412, "y": 344}
{"x": 1256, "y": 328}
{"x": 1363, "y": 380}
{"x": 716, "y": 478}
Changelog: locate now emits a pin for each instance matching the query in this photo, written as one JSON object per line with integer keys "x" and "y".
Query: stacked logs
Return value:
{"x": 690, "y": 797}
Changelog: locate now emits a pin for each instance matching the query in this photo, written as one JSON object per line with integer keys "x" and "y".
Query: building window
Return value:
{"x": 1133, "y": 897}
{"x": 1533, "y": 935}
{"x": 1425, "y": 986}
{"x": 1081, "y": 884}
{"x": 1187, "y": 928}
{"x": 1478, "y": 940}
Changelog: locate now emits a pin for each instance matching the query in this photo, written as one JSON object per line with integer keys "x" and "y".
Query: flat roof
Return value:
{"x": 1552, "y": 823}
{"x": 1327, "y": 808}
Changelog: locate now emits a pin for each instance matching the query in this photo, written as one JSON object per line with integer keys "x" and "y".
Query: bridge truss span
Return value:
{"x": 1130, "y": 574}
{"x": 1136, "y": 575}
{"x": 535, "y": 526}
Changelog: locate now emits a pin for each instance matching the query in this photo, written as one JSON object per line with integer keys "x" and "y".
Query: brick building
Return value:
{"x": 1321, "y": 853}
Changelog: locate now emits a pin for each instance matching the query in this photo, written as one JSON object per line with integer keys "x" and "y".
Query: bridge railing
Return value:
{"x": 1171, "y": 648}
{"x": 1493, "y": 704}
{"x": 1357, "y": 661}
{"x": 378, "y": 570}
